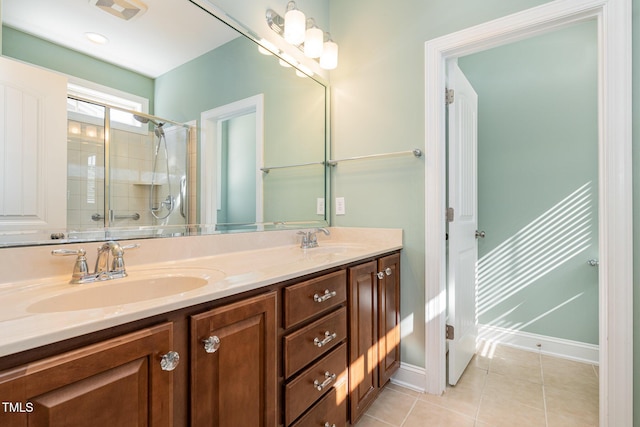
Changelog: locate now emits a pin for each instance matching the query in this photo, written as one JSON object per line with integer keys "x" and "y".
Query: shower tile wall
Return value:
{"x": 130, "y": 176}
{"x": 131, "y": 167}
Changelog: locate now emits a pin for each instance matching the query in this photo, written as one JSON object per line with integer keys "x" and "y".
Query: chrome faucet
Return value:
{"x": 309, "y": 238}
{"x": 102, "y": 270}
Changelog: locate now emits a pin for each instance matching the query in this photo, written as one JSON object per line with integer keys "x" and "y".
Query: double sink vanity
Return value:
{"x": 226, "y": 330}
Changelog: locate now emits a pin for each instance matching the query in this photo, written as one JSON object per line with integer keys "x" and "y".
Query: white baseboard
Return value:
{"x": 411, "y": 377}
{"x": 551, "y": 346}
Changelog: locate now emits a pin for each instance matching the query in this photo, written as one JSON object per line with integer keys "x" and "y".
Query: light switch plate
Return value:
{"x": 320, "y": 206}
{"x": 340, "y": 207}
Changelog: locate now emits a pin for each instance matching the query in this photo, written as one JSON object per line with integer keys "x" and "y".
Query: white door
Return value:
{"x": 463, "y": 204}
{"x": 33, "y": 148}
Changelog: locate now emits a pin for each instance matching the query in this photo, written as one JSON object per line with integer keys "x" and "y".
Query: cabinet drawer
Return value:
{"x": 304, "y": 346}
{"x": 315, "y": 382}
{"x": 331, "y": 410}
{"x": 304, "y": 300}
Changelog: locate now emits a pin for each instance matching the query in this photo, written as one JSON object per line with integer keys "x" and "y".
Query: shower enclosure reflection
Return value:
{"x": 126, "y": 173}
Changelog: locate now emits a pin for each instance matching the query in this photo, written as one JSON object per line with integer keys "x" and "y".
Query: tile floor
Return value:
{"x": 508, "y": 387}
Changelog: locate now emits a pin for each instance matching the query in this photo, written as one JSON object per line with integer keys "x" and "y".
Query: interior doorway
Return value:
{"x": 534, "y": 165}
{"x": 614, "y": 184}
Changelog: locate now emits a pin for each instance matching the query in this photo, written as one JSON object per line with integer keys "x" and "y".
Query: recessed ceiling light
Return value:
{"x": 97, "y": 38}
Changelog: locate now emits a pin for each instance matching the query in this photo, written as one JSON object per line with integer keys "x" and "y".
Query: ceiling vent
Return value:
{"x": 123, "y": 9}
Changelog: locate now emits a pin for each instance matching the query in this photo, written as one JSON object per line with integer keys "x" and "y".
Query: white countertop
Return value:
{"x": 40, "y": 310}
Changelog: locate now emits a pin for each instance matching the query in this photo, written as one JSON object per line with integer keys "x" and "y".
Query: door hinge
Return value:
{"x": 449, "y": 96}
{"x": 450, "y": 214}
{"x": 449, "y": 332}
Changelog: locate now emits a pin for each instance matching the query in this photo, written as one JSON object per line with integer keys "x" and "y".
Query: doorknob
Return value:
{"x": 480, "y": 234}
{"x": 593, "y": 262}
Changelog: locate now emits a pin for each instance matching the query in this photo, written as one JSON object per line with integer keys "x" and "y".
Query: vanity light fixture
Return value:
{"x": 294, "y": 24}
{"x": 311, "y": 40}
{"x": 329, "y": 57}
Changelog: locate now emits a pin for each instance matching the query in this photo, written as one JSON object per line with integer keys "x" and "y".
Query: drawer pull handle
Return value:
{"x": 328, "y": 425}
{"x": 211, "y": 344}
{"x": 328, "y": 379}
{"x": 328, "y": 337}
{"x": 327, "y": 295}
{"x": 169, "y": 361}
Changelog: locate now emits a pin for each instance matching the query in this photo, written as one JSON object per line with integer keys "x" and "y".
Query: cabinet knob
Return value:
{"x": 328, "y": 337}
{"x": 388, "y": 271}
{"x": 328, "y": 425}
{"x": 380, "y": 275}
{"x": 328, "y": 378}
{"x": 211, "y": 344}
{"x": 170, "y": 361}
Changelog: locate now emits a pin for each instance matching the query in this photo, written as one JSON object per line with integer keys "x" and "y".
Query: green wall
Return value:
{"x": 378, "y": 106}
{"x": 294, "y": 118}
{"x": 537, "y": 183}
{"x": 34, "y": 50}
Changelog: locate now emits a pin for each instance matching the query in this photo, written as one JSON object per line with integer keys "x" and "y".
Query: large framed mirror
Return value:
{"x": 197, "y": 128}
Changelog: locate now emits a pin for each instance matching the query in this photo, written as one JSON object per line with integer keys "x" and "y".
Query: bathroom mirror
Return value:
{"x": 258, "y": 153}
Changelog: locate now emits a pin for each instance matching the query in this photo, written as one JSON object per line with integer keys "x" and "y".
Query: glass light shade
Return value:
{"x": 294, "y": 26}
{"x": 313, "y": 42}
{"x": 329, "y": 57}
{"x": 266, "y": 47}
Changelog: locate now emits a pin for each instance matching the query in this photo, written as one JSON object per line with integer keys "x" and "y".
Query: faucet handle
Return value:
{"x": 80, "y": 268}
{"x": 117, "y": 264}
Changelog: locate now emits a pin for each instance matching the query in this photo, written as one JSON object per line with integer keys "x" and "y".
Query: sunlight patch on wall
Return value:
{"x": 545, "y": 244}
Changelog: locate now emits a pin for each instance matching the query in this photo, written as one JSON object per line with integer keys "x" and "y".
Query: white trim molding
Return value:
{"x": 410, "y": 376}
{"x": 491, "y": 336}
{"x": 210, "y": 137}
{"x": 615, "y": 184}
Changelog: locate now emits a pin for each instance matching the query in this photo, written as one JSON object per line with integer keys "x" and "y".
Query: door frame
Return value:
{"x": 614, "y": 184}
{"x": 210, "y": 149}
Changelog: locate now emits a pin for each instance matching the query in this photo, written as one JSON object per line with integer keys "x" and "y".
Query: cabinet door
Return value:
{"x": 234, "y": 383}
{"x": 118, "y": 382}
{"x": 363, "y": 337}
{"x": 389, "y": 316}
{"x": 33, "y": 148}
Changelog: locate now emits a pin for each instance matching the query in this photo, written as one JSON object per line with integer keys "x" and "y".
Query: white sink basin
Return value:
{"x": 122, "y": 291}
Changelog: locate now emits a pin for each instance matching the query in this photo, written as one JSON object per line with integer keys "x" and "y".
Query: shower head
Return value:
{"x": 146, "y": 120}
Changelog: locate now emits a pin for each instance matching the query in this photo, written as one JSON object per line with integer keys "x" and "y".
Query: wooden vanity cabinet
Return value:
{"x": 233, "y": 364}
{"x": 301, "y": 353}
{"x": 374, "y": 329}
{"x": 315, "y": 351}
{"x": 116, "y": 382}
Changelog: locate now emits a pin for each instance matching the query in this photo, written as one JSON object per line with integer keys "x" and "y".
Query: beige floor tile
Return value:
{"x": 465, "y": 396}
{"x": 581, "y": 406}
{"x": 498, "y": 389}
{"x": 569, "y": 375}
{"x": 391, "y": 406}
{"x": 368, "y": 421}
{"x": 516, "y": 363}
{"x": 559, "y": 420}
{"x": 473, "y": 377}
{"x": 507, "y": 389}
{"x": 509, "y": 414}
{"x": 425, "y": 414}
